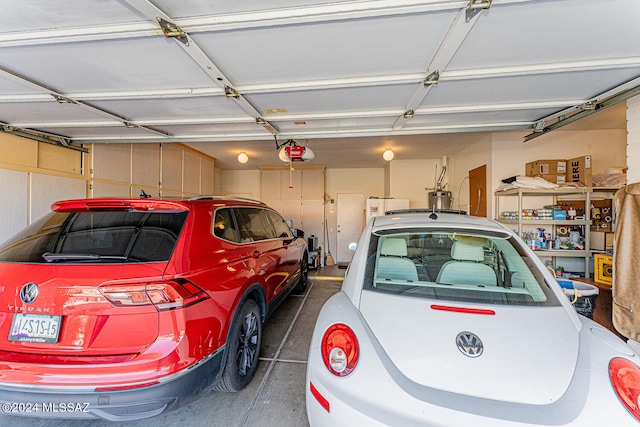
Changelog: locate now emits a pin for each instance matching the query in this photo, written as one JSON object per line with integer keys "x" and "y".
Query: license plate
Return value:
{"x": 35, "y": 328}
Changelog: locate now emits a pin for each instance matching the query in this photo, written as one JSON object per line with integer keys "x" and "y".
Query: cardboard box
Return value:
{"x": 546, "y": 167}
{"x": 579, "y": 170}
{"x": 556, "y": 179}
{"x": 600, "y": 240}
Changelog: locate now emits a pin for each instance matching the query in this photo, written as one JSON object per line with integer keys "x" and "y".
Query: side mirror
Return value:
{"x": 297, "y": 233}
{"x": 352, "y": 246}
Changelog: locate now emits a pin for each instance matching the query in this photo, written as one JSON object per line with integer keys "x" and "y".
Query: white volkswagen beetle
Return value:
{"x": 450, "y": 320}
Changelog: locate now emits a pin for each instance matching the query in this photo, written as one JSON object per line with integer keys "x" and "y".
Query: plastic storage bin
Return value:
{"x": 582, "y": 296}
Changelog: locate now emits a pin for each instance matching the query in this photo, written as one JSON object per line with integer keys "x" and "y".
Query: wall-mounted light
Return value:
{"x": 243, "y": 158}
{"x": 388, "y": 155}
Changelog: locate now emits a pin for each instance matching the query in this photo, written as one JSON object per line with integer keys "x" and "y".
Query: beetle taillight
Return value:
{"x": 163, "y": 295}
{"x": 625, "y": 378}
{"x": 340, "y": 349}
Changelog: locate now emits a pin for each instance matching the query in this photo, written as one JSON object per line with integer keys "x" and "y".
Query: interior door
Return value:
{"x": 478, "y": 191}
{"x": 350, "y": 214}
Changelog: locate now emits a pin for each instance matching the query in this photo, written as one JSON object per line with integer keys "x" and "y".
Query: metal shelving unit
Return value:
{"x": 521, "y": 193}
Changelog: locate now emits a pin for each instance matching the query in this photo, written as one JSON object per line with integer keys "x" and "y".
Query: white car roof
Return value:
{"x": 423, "y": 218}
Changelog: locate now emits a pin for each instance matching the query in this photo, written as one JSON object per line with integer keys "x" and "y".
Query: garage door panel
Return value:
{"x": 511, "y": 35}
{"x": 106, "y": 65}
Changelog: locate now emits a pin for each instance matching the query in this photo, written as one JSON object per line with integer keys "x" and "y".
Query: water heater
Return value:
{"x": 440, "y": 200}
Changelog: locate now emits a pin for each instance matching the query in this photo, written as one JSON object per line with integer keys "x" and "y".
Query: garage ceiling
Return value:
{"x": 349, "y": 78}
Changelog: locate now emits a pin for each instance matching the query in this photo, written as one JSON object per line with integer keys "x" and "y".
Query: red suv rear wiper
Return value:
{"x": 52, "y": 257}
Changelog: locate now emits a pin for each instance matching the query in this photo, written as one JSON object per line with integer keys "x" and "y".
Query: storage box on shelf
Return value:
{"x": 550, "y": 170}
{"x": 560, "y": 171}
{"x": 579, "y": 170}
{"x": 546, "y": 167}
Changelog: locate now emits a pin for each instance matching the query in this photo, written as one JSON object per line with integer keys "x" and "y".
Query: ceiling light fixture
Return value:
{"x": 243, "y": 158}
{"x": 388, "y": 155}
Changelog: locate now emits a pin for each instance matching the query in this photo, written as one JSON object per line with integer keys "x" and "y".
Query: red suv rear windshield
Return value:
{"x": 102, "y": 236}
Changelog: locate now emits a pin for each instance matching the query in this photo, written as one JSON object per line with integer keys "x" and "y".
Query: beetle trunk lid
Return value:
{"x": 516, "y": 354}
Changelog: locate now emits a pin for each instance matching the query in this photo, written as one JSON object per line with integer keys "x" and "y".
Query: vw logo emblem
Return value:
{"x": 29, "y": 293}
{"x": 469, "y": 344}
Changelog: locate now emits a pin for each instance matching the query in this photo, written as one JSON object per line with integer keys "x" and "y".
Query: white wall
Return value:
{"x": 46, "y": 189}
{"x": 459, "y": 166}
{"x": 606, "y": 147}
{"x": 14, "y": 194}
{"x": 369, "y": 181}
{"x": 633, "y": 140}
{"x": 410, "y": 178}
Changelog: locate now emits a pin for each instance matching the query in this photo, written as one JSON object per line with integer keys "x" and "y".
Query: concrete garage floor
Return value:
{"x": 275, "y": 397}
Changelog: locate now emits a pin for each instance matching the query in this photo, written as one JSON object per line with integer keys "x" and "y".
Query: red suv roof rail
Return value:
{"x": 233, "y": 198}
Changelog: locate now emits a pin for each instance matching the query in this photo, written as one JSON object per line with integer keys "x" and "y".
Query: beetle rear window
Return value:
{"x": 455, "y": 266}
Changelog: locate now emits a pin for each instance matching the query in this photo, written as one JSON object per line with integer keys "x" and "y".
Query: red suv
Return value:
{"x": 127, "y": 308}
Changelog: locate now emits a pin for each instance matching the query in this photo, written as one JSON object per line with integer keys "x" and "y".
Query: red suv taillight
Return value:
{"x": 340, "y": 349}
{"x": 625, "y": 377}
{"x": 163, "y": 295}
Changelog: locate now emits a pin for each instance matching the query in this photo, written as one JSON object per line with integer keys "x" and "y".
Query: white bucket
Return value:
{"x": 582, "y": 295}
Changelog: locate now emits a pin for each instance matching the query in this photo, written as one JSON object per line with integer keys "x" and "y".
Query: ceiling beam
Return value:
{"x": 458, "y": 31}
{"x": 172, "y": 30}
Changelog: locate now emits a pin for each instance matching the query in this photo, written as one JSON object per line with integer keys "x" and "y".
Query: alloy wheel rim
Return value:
{"x": 247, "y": 344}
